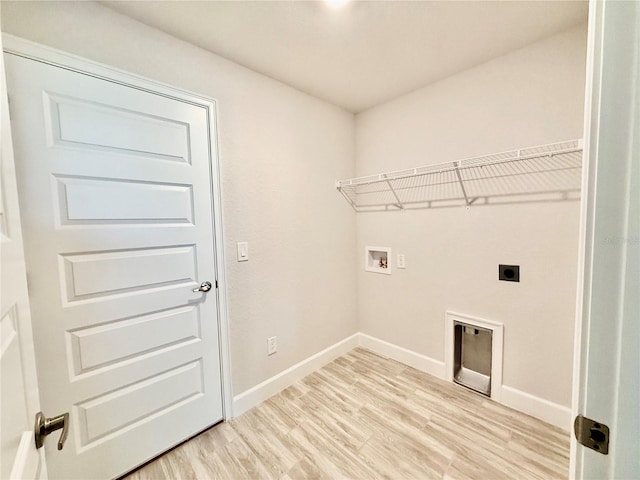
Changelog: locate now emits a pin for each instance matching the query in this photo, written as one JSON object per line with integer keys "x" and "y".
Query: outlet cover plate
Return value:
{"x": 272, "y": 345}
{"x": 509, "y": 273}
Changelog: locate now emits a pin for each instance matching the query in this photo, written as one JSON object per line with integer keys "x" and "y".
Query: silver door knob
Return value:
{"x": 204, "y": 287}
{"x": 44, "y": 426}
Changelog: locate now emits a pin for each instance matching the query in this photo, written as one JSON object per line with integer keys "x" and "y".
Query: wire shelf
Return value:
{"x": 551, "y": 172}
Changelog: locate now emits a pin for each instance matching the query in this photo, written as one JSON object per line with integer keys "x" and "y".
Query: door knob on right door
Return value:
{"x": 204, "y": 287}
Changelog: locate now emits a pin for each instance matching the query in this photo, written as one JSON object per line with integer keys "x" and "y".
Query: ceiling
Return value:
{"x": 361, "y": 53}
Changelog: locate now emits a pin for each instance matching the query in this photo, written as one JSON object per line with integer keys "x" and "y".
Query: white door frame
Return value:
{"x": 28, "y": 462}
{"x": 606, "y": 247}
{"x": 51, "y": 56}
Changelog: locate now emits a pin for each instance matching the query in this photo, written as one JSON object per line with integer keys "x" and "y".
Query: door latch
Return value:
{"x": 592, "y": 434}
{"x": 44, "y": 426}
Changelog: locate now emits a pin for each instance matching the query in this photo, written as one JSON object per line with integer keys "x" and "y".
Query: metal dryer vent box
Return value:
{"x": 472, "y": 357}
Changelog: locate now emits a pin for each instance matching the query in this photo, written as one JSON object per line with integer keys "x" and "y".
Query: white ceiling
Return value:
{"x": 364, "y": 52}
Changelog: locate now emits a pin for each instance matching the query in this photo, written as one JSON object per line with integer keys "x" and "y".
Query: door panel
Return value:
{"x": 112, "y": 412}
{"x": 96, "y": 347}
{"x": 155, "y": 136}
{"x": 116, "y": 192}
{"x": 15, "y": 414}
{"x": 100, "y": 274}
{"x": 86, "y": 201}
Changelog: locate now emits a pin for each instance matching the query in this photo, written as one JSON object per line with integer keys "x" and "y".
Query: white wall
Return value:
{"x": 281, "y": 151}
{"x": 532, "y": 96}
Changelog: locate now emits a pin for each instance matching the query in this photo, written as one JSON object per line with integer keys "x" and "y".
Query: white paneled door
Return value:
{"x": 116, "y": 198}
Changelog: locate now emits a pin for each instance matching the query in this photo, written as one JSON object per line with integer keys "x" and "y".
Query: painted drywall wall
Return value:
{"x": 530, "y": 97}
{"x": 281, "y": 151}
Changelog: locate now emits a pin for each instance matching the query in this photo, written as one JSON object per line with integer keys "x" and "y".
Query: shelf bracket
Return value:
{"x": 399, "y": 204}
{"x": 464, "y": 192}
{"x": 353, "y": 205}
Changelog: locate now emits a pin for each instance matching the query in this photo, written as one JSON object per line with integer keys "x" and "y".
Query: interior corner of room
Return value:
{"x": 443, "y": 227}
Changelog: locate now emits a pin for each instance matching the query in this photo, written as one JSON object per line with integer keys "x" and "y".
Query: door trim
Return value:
{"x": 605, "y": 138}
{"x": 42, "y": 53}
{"x": 585, "y": 232}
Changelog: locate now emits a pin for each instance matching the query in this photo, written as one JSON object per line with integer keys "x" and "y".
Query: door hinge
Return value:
{"x": 592, "y": 434}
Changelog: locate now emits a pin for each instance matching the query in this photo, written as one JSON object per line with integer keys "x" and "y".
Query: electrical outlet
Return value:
{"x": 272, "y": 345}
{"x": 509, "y": 273}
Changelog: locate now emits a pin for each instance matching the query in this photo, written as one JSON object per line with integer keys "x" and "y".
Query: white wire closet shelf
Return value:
{"x": 544, "y": 173}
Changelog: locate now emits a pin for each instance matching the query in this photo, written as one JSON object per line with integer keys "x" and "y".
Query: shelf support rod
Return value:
{"x": 464, "y": 192}
{"x": 353, "y": 205}
{"x": 394, "y": 192}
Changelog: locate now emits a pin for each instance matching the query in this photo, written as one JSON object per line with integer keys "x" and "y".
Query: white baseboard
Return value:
{"x": 403, "y": 355}
{"x": 263, "y": 391}
{"x": 545, "y": 410}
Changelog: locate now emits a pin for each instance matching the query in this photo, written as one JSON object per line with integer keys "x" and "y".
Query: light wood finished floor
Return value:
{"x": 365, "y": 416}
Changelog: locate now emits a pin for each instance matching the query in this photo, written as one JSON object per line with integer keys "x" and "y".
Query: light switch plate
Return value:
{"x": 243, "y": 251}
{"x": 400, "y": 263}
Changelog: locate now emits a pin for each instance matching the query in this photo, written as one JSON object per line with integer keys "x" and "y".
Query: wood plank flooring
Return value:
{"x": 365, "y": 416}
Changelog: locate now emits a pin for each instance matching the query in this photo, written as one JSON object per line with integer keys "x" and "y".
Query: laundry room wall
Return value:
{"x": 529, "y": 97}
{"x": 281, "y": 151}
